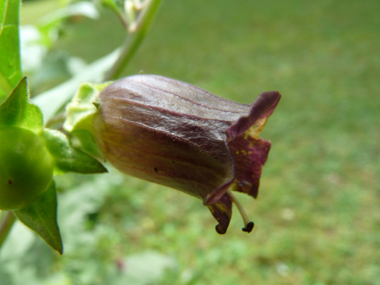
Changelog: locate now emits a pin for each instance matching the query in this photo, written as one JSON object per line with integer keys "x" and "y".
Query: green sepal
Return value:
{"x": 88, "y": 143}
{"x": 41, "y": 217}
{"x": 66, "y": 157}
{"x": 83, "y": 106}
{"x": 17, "y": 111}
{"x": 10, "y": 63}
{"x": 80, "y": 115}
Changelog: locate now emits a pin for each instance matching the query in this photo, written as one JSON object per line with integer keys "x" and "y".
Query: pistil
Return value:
{"x": 248, "y": 225}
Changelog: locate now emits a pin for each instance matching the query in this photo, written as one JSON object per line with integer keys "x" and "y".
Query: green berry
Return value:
{"x": 26, "y": 168}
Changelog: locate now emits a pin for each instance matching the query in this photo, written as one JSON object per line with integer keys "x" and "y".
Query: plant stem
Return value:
{"x": 120, "y": 15}
{"x": 134, "y": 39}
{"x": 5, "y": 225}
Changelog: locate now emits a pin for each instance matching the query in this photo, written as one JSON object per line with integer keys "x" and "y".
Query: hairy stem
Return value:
{"x": 5, "y": 225}
{"x": 134, "y": 39}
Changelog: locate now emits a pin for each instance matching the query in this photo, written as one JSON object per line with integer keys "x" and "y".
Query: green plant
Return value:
{"x": 30, "y": 151}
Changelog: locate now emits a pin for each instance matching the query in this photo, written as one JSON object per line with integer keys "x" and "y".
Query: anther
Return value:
{"x": 249, "y": 227}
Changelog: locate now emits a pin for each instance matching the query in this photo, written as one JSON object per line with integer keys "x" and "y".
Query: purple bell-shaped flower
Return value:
{"x": 181, "y": 136}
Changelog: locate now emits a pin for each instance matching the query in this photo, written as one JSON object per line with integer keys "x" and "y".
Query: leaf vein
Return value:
{"x": 4, "y": 16}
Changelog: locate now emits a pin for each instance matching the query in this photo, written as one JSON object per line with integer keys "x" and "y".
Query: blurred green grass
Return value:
{"x": 317, "y": 216}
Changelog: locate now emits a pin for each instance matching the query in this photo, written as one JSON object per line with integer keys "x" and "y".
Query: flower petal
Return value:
{"x": 250, "y": 155}
{"x": 158, "y": 156}
{"x": 222, "y": 212}
{"x": 249, "y": 152}
{"x": 259, "y": 113}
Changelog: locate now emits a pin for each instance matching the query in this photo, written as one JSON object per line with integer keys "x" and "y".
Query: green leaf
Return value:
{"x": 17, "y": 111}
{"x": 114, "y": 4}
{"x": 50, "y": 24}
{"x": 67, "y": 158}
{"x": 41, "y": 217}
{"x": 10, "y": 63}
{"x": 83, "y": 8}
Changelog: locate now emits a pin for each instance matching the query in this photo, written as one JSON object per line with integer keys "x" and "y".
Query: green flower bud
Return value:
{"x": 26, "y": 168}
{"x": 178, "y": 135}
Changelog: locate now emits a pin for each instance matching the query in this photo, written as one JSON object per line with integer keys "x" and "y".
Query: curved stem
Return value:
{"x": 6, "y": 225}
{"x": 239, "y": 206}
{"x": 120, "y": 15}
{"x": 248, "y": 225}
{"x": 134, "y": 39}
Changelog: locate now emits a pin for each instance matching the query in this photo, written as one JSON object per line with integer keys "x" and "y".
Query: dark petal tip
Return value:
{"x": 249, "y": 227}
{"x": 220, "y": 229}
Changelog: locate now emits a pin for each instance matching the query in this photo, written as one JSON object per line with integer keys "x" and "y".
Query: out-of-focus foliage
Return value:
{"x": 38, "y": 46}
{"x": 85, "y": 259}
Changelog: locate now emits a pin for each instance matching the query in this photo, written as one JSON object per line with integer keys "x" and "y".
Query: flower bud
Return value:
{"x": 178, "y": 135}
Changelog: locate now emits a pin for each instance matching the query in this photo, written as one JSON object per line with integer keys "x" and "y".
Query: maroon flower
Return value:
{"x": 178, "y": 135}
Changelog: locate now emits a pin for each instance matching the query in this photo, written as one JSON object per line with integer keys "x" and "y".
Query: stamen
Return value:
{"x": 248, "y": 225}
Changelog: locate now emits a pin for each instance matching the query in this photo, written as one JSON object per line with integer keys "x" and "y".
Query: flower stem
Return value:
{"x": 119, "y": 14}
{"x": 248, "y": 225}
{"x": 134, "y": 39}
{"x": 5, "y": 225}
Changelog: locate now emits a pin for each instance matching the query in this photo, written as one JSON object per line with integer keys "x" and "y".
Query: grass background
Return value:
{"x": 317, "y": 216}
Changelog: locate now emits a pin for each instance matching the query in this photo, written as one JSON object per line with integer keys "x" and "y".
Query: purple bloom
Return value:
{"x": 178, "y": 135}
